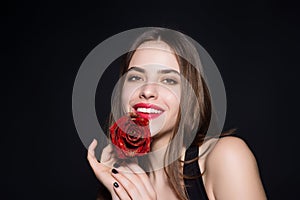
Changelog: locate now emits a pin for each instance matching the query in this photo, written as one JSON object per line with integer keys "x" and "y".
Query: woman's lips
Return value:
{"x": 148, "y": 111}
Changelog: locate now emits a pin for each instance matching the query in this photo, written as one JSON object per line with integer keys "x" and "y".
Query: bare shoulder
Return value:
{"x": 230, "y": 153}
{"x": 232, "y": 170}
{"x": 230, "y": 148}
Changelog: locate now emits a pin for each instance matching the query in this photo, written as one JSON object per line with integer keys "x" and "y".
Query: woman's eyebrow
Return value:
{"x": 136, "y": 69}
{"x": 161, "y": 71}
{"x": 167, "y": 71}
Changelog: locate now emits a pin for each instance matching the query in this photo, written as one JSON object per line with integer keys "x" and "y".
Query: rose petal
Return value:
{"x": 131, "y": 136}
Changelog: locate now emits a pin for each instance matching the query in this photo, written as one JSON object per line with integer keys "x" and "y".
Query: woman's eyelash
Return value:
{"x": 134, "y": 78}
{"x": 169, "y": 81}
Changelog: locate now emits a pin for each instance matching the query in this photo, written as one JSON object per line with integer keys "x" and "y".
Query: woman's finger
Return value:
{"x": 138, "y": 177}
{"x": 101, "y": 171}
{"x": 135, "y": 184}
{"x": 108, "y": 156}
{"x": 124, "y": 187}
{"x": 91, "y": 154}
{"x": 135, "y": 168}
{"x": 107, "y": 153}
{"x": 121, "y": 192}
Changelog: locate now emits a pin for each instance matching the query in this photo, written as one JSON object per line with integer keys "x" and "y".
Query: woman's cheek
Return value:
{"x": 127, "y": 96}
{"x": 125, "y": 103}
{"x": 172, "y": 98}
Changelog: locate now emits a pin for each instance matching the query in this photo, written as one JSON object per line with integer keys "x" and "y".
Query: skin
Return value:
{"x": 231, "y": 171}
{"x": 238, "y": 177}
{"x": 153, "y": 87}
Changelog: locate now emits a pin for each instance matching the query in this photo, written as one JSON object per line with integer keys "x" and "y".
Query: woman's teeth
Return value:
{"x": 148, "y": 110}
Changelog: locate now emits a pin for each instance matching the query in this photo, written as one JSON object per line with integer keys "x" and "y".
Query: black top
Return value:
{"x": 195, "y": 187}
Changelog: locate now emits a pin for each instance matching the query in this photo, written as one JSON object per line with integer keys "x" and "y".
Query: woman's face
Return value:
{"x": 152, "y": 86}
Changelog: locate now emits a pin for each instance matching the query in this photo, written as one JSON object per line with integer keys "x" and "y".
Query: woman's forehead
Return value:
{"x": 154, "y": 53}
{"x": 158, "y": 44}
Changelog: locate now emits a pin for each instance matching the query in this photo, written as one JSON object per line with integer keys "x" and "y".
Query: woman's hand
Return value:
{"x": 132, "y": 182}
{"x": 101, "y": 169}
{"x": 128, "y": 181}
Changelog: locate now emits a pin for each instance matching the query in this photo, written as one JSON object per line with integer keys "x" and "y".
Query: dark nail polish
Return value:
{"x": 114, "y": 171}
{"x": 116, "y": 184}
{"x": 116, "y": 165}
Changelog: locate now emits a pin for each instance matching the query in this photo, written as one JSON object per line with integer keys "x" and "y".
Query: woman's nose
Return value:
{"x": 148, "y": 91}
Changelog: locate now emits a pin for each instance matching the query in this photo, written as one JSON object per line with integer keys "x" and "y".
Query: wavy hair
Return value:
{"x": 195, "y": 112}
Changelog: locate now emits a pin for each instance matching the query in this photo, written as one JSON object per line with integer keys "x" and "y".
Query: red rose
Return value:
{"x": 131, "y": 136}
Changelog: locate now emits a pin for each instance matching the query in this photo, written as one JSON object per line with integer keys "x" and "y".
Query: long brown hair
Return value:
{"x": 195, "y": 112}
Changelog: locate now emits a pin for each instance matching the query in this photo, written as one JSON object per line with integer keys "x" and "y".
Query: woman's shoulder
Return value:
{"x": 229, "y": 149}
{"x": 226, "y": 153}
{"x": 220, "y": 146}
{"x": 219, "y": 151}
{"x": 230, "y": 166}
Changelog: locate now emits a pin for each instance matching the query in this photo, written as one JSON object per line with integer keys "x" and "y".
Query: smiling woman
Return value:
{"x": 162, "y": 84}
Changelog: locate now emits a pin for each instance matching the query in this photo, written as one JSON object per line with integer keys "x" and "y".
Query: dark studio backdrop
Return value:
{"x": 255, "y": 45}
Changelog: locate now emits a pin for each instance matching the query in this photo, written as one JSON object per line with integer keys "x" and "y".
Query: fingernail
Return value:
{"x": 116, "y": 184}
{"x": 114, "y": 171}
{"x": 116, "y": 165}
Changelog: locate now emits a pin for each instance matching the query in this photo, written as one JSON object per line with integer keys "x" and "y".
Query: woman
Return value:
{"x": 162, "y": 81}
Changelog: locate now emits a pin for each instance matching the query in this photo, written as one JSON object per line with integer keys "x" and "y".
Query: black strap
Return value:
{"x": 195, "y": 187}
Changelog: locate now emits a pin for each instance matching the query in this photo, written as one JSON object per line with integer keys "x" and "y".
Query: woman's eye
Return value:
{"x": 134, "y": 78}
{"x": 170, "y": 81}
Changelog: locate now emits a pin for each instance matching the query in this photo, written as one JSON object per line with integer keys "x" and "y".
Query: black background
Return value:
{"x": 255, "y": 45}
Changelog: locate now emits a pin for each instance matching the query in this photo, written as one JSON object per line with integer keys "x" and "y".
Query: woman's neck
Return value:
{"x": 156, "y": 160}
{"x": 161, "y": 140}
